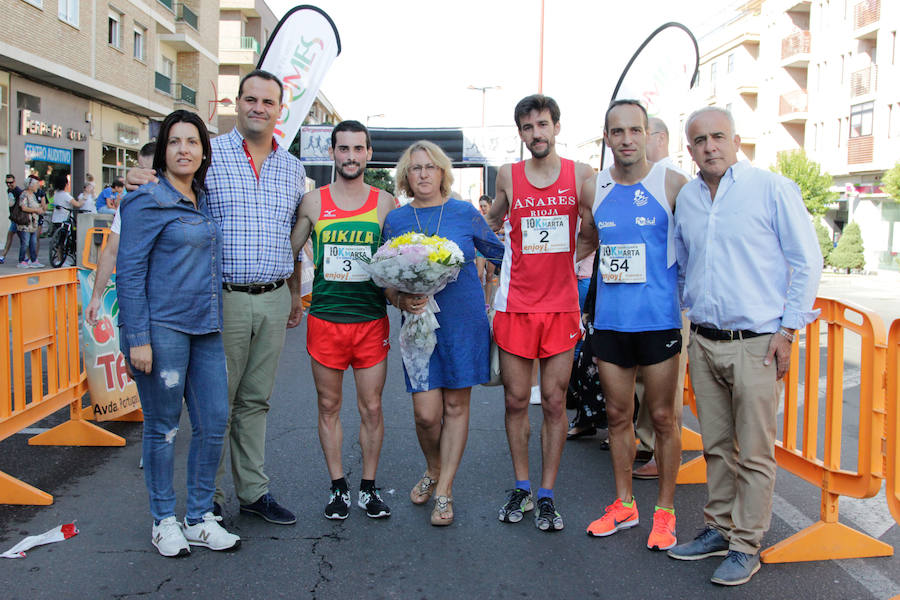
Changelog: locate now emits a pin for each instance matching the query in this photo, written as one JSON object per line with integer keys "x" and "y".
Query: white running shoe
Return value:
{"x": 535, "y": 395}
{"x": 209, "y": 534}
{"x": 36, "y": 265}
{"x": 168, "y": 538}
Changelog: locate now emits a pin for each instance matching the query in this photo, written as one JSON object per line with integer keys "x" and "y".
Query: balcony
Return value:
{"x": 866, "y": 15}
{"x": 864, "y": 81}
{"x": 795, "y": 50}
{"x": 242, "y": 50}
{"x": 793, "y": 107}
{"x": 167, "y": 4}
{"x": 860, "y": 150}
{"x": 183, "y": 14}
{"x": 163, "y": 84}
{"x": 185, "y": 94}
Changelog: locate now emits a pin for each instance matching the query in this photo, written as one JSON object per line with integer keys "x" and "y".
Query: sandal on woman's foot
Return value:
{"x": 422, "y": 491}
{"x": 442, "y": 514}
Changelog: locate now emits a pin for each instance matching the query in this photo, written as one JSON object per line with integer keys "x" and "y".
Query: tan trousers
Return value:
{"x": 737, "y": 402}
{"x": 254, "y": 336}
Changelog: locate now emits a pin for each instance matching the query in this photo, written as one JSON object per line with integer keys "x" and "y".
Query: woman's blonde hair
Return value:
{"x": 437, "y": 156}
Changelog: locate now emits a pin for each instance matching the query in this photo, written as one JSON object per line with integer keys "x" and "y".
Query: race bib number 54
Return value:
{"x": 341, "y": 263}
{"x": 623, "y": 263}
{"x": 545, "y": 235}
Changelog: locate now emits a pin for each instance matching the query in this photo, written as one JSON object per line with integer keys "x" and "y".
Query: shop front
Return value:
{"x": 50, "y": 132}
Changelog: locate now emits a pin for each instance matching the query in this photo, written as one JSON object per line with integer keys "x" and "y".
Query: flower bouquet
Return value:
{"x": 415, "y": 263}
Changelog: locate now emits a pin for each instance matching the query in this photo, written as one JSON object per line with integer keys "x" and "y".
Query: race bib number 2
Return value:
{"x": 623, "y": 263}
{"x": 341, "y": 263}
{"x": 545, "y": 235}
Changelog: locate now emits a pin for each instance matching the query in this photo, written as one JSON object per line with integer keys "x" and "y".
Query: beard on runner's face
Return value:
{"x": 350, "y": 175}
{"x": 539, "y": 153}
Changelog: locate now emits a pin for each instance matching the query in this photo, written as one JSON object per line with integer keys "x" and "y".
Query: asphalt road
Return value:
{"x": 102, "y": 490}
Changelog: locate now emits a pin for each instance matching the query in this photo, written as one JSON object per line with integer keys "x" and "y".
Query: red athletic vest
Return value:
{"x": 538, "y": 272}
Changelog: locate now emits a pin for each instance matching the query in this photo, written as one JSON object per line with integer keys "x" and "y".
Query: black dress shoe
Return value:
{"x": 583, "y": 432}
{"x": 267, "y": 508}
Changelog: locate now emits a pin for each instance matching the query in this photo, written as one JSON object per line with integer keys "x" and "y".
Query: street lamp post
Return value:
{"x": 483, "y": 89}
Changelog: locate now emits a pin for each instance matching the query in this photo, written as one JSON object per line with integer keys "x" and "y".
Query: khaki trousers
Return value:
{"x": 737, "y": 402}
{"x": 254, "y": 336}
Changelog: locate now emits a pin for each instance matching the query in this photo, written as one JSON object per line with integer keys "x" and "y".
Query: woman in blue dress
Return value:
{"x": 461, "y": 356}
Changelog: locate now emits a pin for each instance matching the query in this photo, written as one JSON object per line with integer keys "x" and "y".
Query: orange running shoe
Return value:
{"x": 618, "y": 516}
{"x": 662, "y": 536}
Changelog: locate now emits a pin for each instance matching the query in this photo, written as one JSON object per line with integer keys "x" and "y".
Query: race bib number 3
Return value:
{"x": 545, "y": 235}
{"x": 623, "y": 263}
{"x": 341, "y": 263}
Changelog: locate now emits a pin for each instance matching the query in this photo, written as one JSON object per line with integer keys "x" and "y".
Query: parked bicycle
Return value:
{"x": 64, "y": 240}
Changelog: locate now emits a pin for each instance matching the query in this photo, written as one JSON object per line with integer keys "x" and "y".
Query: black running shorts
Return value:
{"x": 630, "y": 348}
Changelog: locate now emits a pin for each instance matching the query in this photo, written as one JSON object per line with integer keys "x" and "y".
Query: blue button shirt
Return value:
{"x": 169, "y": 267}
{"x": 256, "y": 214}
{"x": 749, "y": 259}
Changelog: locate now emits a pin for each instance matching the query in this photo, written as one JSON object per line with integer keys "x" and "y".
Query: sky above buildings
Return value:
{"x": 413, "y": 61}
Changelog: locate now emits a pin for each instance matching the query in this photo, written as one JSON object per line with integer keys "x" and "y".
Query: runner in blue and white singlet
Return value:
{"x": 638, "y": 287}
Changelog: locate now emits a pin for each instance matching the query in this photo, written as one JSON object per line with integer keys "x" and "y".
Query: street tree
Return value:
{"x": 849, "y": 251}
{"x": 814, "y": 185}
{"x": 890, "y": 183}
{"x": 380, "y": 178}
{"x": 825, "y": 243}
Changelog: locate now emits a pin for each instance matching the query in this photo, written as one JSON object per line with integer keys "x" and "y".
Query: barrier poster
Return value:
{"x": 113, "y": 392}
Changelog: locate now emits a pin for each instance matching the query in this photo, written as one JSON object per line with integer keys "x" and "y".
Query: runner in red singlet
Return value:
{"x": 537, "y": 303}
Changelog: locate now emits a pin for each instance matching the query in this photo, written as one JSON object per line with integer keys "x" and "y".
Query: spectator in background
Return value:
{"x": 28, "y": 233}
{"x": 63, "y": 202}
{"x": 109, "y": 199}
{"x": 12, "y": 192}
{"x": 86, "y": 197}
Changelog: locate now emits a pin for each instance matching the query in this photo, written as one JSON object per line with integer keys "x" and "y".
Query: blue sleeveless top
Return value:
{"x": 638, "y": 290}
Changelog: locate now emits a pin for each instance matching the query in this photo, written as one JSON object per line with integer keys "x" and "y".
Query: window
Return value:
{"x": 4, "y": 115}
{"x": 140, "y": 35}
{"x": 731, "y": 63}
{"x": 861, "y": 119}
{"x": 38, "y": 3}
{"x": 843, "y": 67}
{"x": 116, "y": 161}
{"x": 28, "y": 102}
{"x": 115, "y": 29}
{"x": 893, "y": 47}
{"x": 894, "y": 120}
{"x": 167, "y": 68}
{"x": 68, "y": 11}
{"x": 837, "y": 132}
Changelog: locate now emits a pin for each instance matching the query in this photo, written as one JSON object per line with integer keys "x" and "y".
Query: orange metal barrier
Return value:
{"x": 829, "y": 539}
{"x": 892, "y": 455}
{"x": 86, "y": 258}
{"x": 40, "y": 333}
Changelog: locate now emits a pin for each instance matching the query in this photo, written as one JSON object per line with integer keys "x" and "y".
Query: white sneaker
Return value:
{"x": 36, "y": 265}
{"x": 168, "y": 538}
{"x": 209, "y": 534}
{"x": 24, "y": 265}
{"x": 535, "y": 395}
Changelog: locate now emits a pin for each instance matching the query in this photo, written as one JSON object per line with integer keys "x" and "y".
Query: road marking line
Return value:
{"x": 33, "y": 430}
{"x": 867, "y": 576}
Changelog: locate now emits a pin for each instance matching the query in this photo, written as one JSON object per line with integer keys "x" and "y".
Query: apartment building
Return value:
{"x": 244, "y": 30}
{"x": 84, "y": 83}
{"x": 821, "y": 75}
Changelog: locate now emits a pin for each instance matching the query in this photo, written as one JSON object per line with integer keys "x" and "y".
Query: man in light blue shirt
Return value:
{"x": 749, "y": 268}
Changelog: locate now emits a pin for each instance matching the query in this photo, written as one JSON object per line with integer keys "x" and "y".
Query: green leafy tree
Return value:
{"x": 807, "y": 174}
{"x": 380, "y": 178}
{"x": 890, "y": 183}
{"x": 825, "y": 243}
{"x": 849, "y": 251}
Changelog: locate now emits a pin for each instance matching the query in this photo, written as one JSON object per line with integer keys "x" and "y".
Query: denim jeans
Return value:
{"x": 28, "y": 239}
{"x": 192, "y": 367}
{"x": 105, "y": 210}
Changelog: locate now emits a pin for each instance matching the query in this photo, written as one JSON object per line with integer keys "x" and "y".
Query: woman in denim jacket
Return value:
{"x": 170, "y": 299}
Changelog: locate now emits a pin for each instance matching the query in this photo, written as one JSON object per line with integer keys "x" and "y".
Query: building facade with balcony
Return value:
{"x": 244, "y": 30}
{"x": 84, "y": 84}
{"x": 823, "y": 76}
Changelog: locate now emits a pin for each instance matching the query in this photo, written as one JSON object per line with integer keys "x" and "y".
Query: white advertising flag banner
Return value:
{"x": 299, "y": 52}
